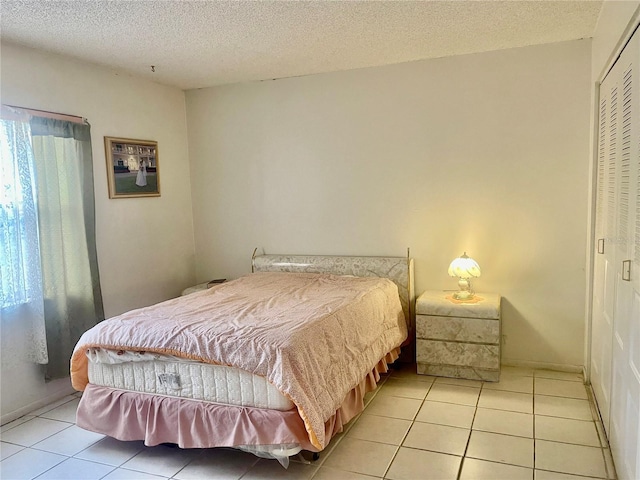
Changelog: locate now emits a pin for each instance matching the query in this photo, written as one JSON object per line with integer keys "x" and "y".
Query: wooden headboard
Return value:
{"x": 397, "y": 269}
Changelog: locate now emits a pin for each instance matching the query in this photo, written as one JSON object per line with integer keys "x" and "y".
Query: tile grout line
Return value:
{"x": 482, "y": 388}
{"x": 408, "y": 430}
{"x": 466, "y": 448}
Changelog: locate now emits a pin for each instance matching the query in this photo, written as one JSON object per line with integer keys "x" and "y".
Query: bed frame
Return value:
{"x": 101, "y": 407}
{"x": 397, "y": 269}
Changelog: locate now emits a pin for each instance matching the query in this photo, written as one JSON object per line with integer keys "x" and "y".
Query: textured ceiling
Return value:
{"x": 197, "y": 44}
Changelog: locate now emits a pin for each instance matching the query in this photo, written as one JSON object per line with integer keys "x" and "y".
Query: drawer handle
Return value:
{"x": 626, "y": 270}
{"x": 601, "y": 246}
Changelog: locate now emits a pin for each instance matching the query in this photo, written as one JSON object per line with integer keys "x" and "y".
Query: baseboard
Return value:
{"x": 560, "y": 367}
{"x": 61, "y": 392}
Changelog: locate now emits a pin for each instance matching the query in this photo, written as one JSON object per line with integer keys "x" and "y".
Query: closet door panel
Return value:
{"x": 604, "y": 268}
{"x": 625, "y": 392}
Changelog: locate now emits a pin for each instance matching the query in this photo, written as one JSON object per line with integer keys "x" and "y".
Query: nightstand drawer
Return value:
{"x": 460, "y": 354}
{"x": 459, "y": 329}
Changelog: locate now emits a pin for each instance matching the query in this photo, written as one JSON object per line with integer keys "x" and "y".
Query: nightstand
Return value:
{"x": 202, "y": 286}
{"x": 458, "y": 339}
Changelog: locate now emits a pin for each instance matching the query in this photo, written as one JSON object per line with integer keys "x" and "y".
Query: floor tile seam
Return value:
{"x": 449, "y": 403}
{"x": 387, "y": 416}
{"x": 98, "y": 461}
{"x": 495, "y": 389}
{"x": 136, "y": 471}
{"x": 560, "y": 379}
{"x": 52, "y": 467}
{"x": 72, "y": 455}
{"x": 378, "y": 442}
{"x": 473, "y": 420}
{"x": 15, "y": 420}
{"x": 543, "y": 370}
{"x": 55, "y": 453}
{"x": 516, "y": 436}
{"x": 400, "y": 396}
{"x": 559, "y": 396}
{"x": 505, "y": 410}
{"x": 69, "y": 425}
{"x": 431, "y": 451}
{"x": 16, "y": 444}
{"x": 53, "y": 408}
{"x": 11, "y": 455}
{"x": 420, "y": 408}
{"x": 500, "y": 433}
{"x": 33, "y": 418}
{"x": 585, "y": 398}
{"x": 446, "y": 425}
{"x": 501, "y": 463}
{"x": 565, "y": 418}
{"x": 142, "y": 471}
{"x": 382, "y": 416}
{"x": 401, "y": 445}
{"x": 66, "y": 459}
{"x": 318, "y": 466}
{"x": 568, "y": 443}
{"x": 566, "y": 473}
{"x": 395, "y": 454}
{"x": 574, "y": 473}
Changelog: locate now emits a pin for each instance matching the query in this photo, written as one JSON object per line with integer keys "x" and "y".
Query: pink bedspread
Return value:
{"x": 314, "y": 336}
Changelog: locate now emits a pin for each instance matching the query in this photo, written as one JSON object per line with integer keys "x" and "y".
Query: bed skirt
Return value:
{"x": 157, "y": 419}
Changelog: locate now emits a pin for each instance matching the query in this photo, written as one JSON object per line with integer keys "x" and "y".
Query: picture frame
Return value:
{"x": 132, "y": 167}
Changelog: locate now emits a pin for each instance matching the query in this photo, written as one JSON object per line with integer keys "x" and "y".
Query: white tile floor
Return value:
{"x": 533, "y": 424}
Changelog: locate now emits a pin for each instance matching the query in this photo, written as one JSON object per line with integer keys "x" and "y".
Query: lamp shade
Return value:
{"x": 464, "y": 267}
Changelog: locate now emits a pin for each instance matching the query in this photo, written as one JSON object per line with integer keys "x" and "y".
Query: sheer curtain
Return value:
{"x": 66, "y": 220}
{"x": 21, "y": 297}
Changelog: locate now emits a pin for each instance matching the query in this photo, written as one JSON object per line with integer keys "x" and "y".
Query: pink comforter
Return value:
{"x": 313, "y": 336}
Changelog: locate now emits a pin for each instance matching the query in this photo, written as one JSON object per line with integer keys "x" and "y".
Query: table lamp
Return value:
{"x": 464, "y": 268}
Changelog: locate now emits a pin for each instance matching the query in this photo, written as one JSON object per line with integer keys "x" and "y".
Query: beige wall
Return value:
{"x": 487, "y": 153}
{"x": 145, "y": 246}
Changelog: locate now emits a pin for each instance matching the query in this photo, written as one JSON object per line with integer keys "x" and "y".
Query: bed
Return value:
{"x": 273, "y": 362}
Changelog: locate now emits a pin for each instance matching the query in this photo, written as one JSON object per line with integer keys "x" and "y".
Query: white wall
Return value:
{"x": 487, "y": 153}
{"x": 145, "y": 245}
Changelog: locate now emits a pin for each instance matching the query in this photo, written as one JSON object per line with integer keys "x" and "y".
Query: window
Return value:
{"x": 20, "y": 277}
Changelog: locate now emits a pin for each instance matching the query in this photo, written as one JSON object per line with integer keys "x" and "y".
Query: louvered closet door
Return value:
{"x": 625, "y": 394}
{"x": 619, "y": 267}
{"x": 604, "y": 261}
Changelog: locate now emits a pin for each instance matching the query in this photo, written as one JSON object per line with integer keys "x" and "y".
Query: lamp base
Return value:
{"x": 463, "y": 295}
{"x": 465, "y": 292}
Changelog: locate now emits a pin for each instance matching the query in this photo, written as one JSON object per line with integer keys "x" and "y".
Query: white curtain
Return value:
{"x": 21, "y": 293}
{"x": 65, "y": 198}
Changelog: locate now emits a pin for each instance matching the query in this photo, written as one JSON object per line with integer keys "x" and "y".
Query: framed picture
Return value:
{"x": 132, "y": 167}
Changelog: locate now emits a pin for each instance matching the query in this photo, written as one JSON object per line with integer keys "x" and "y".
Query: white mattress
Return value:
{"x": 176, "y": 377}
